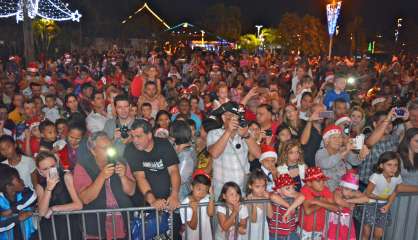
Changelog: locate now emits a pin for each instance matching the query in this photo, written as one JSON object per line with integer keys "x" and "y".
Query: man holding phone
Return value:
{"x": 103, "y": 184}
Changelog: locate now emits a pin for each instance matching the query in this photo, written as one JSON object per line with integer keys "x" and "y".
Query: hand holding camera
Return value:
{"x": 108, "y": 170}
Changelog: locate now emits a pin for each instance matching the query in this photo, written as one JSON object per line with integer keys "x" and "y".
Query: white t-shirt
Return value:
{"x": 383, "y": 188}
{"x": 206, "y": 229}
{"x": 257, "y": 227}
{"x": 25, "y": 168}
{"x": 220, "y": 234}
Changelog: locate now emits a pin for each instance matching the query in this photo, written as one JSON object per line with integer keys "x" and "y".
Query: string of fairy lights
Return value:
{"x": 49, "y": 9}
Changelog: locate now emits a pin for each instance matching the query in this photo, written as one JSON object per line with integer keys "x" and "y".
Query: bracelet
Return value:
{"x": 49, "y": 189}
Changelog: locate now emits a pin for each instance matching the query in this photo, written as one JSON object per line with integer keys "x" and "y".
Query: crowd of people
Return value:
{"x": 119, "y": 129}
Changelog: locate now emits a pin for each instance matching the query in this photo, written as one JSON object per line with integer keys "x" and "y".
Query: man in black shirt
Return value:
{"x": 154, "y": 163}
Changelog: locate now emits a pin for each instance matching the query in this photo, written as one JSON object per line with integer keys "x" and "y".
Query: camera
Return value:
{"x": 124, "y": 131}
{"x": 400, "y": 112}
{"x": 269, "y": 132}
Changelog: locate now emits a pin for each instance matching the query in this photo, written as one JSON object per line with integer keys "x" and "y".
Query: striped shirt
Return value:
{"x": 277, "y": 225}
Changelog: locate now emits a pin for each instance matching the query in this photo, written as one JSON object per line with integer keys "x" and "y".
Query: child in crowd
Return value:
{"x": 291, "y": 162}
{"x": 338, "y": 92}
{"x": 48, "y": 135}
{"x": 32, "y": 139}
{"x": 51, "y": 110}
{"x": 256, "y": 189}
{"x": 15, "y": 199}
{"x": 62, "y": 128}
{"x": 282, "y": 217}
{"x": 232, "y": 211}
{"x": 23, "y": 164}
{"x": 202, "y": 192}
{"x": 381, "y": 188}
{"x": 345, "y": 196}
{"x": 318, "y": 198}
{"x": 146, "y": 112}
{"x": 268, "y": 161}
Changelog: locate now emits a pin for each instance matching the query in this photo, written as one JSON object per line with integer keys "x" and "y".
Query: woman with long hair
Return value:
{"x": 291, "y": 162}
{"x": 358, "y": 120}
{"x": 72, "y": 108}
{"x": 56, "y": 193}
{"x": 292, "y": 120}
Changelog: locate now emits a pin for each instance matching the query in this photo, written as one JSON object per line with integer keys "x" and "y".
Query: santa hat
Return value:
{"x": 199, "y": 172}
{"x": 331, "y": 130}
{"x": 350, "y": 180}
{"x": 33, "y": 67}
{"x": 342, "y": 119}
{"x": 282, "y": 181}
{"x": 329, "y": 77}
{"x": 314, "y": 173}
{"x": 267, "y": 151}
{"x": 378, "y": 100}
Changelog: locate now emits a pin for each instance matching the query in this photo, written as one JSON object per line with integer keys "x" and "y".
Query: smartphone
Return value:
{"x": 53, "y": 172}
{"x": 326, "y": 114}
{"x": 358, "y": 141}
{"x": 269, "y": 132}
{"x": 111, "y": 156}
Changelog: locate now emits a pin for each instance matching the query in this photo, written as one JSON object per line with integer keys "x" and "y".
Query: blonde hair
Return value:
{"x": 285, "y": 152}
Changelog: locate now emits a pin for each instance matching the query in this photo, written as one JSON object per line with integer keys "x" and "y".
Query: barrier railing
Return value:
{"x": 147, "y": 223}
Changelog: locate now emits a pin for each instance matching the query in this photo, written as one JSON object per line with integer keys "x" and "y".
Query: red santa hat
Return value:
{"x": 331, "y": 130}
{"x": 200, "y": 172}
{"x": 33, "y": 67}
{"x": 282, "y": 181}
{"x": 350, "y": 180}
{"x": 342, "y": 119}
{"x": 329, "y": 76}
{"x": 314, "y": 173}
{"x": 267, "y": 151}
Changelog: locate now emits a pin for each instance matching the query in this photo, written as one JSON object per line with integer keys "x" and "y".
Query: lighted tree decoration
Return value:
{"x": 26, "y": 10}
{"x": 333, "y": 11}
{"x": 49, "y": 9}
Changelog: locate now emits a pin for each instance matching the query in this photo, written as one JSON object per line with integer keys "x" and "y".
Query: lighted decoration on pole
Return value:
{"x": 333, "y": 11}
{"x": 49, "y": 9}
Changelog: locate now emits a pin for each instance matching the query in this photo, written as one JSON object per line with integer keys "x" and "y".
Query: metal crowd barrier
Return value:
{"x": 359, "y": 222}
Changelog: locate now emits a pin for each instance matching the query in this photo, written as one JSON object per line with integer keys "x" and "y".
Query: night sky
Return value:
{"x": 379, "y": 15}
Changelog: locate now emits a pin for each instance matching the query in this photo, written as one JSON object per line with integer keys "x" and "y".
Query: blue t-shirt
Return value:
{"x": 331, "y": 96}
{"x": 194, "y": 117}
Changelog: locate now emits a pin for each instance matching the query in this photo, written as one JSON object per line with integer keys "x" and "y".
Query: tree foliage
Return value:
{"x": 45, "y": 31}
{"x": 305, "y": 34}
{"x": 224, "y": 21}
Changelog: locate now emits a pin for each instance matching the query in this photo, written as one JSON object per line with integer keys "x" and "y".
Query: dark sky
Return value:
{"x": 379, "y": 15}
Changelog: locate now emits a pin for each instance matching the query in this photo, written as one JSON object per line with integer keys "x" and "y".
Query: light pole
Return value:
{"x": 333, "y": 11}
{"x": 258, "y": 30}
{"x": 203, "y": 37}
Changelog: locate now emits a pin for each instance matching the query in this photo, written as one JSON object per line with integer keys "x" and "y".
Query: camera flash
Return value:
{"x": 111, "y": 152}
{"x": 351, "y": 80}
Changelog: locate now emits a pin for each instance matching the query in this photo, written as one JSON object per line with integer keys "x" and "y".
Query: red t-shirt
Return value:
{"x": 34, "y": 144}
{"x": 136, "y": 86}
{"x": 276, "y": 224}
{"x": 308, "y": 220}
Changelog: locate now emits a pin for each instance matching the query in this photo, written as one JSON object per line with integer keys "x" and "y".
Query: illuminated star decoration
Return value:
{"x": 333, "y": 11}
{"x": 49, "y": 9}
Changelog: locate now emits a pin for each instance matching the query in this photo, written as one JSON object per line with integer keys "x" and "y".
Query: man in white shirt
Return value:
{"x": 229, "y": 147}
{"x": 96, "y": 120}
